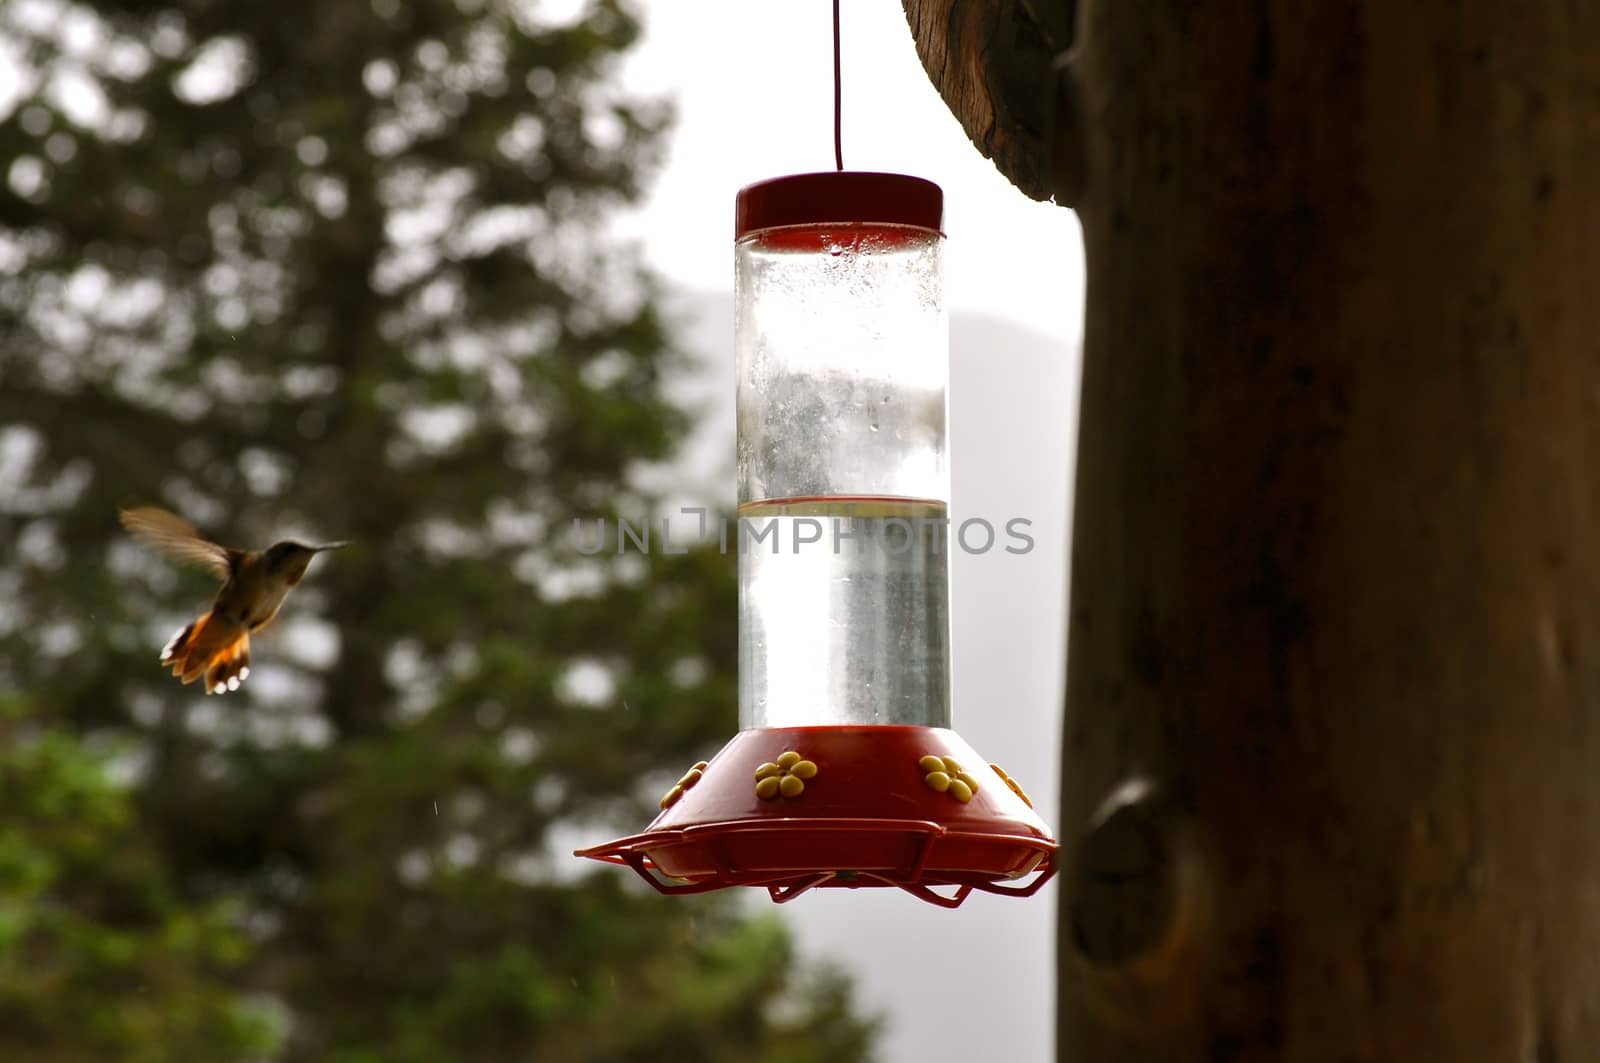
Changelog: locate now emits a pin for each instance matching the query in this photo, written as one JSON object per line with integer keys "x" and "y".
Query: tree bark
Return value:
{"x": 1331, "y": 777}
{"x": 997, "y": 65}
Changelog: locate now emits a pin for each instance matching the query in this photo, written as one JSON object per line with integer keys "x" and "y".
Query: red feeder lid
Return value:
{"x": 838, "y": 198}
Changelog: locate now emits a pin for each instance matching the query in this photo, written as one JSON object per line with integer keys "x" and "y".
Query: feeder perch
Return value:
{"x": 845, "y": 772}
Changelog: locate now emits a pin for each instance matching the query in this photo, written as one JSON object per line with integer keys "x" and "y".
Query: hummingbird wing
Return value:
{"x": 177, "y": 539}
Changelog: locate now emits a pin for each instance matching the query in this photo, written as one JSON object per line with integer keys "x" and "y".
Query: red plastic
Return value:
{"x": 867, "y": 818}
{"x": 838, "y": 199}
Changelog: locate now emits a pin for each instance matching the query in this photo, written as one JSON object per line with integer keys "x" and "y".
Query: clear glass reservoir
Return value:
{"x": 842, "y": 362}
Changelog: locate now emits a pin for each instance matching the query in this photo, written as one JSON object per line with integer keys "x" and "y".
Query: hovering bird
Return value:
{"x": 217, "y": 646}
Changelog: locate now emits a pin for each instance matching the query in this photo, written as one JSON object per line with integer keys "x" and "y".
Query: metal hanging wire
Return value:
{"x": 838, "y": 139}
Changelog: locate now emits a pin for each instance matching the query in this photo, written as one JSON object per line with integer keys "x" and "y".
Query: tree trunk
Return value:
{"x": 1331, "y": 779}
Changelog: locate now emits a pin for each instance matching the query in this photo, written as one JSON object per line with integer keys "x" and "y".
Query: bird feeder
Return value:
{"x": 845, "y": 771}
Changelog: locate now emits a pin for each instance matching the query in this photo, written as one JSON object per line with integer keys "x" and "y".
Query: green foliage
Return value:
{"x": 340, "y": 270}
{"x": 99, "y": 958}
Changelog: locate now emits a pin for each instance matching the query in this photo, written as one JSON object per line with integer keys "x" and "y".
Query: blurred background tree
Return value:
{"x": 339, "y": 270}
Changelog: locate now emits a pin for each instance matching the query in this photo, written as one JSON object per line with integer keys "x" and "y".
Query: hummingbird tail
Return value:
{"x": 213, "y": 648}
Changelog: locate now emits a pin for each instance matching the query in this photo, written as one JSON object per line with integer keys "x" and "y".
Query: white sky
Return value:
{"x": 753, "y": 83}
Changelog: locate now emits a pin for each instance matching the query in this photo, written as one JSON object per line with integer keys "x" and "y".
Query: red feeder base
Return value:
{"x": 797, "y": 808}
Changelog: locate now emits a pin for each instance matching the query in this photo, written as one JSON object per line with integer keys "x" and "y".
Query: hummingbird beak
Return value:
{"x": 331, "y": 546}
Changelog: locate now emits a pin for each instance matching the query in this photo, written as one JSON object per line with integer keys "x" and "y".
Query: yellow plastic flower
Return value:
{"x": 786, "y": 776}
{"x": 682, "y": 786}
{"x": 1009, "y": 781}
{"x": 946, "y": 776}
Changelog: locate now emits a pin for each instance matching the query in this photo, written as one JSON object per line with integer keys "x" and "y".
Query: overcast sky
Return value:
{"x": 753, "y": 82}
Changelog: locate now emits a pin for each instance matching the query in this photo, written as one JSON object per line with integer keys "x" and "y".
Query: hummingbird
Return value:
{"x": 255, "y": 583}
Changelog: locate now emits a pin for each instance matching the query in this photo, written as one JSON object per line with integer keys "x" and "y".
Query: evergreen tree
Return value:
{"x": 338, "y": 269}
{"x": 99, "y": 959}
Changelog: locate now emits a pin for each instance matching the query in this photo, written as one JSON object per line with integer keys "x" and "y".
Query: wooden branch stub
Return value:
{"x": 1122, "y": 892}
{"x": 993, "y": 63}
{"x": 1136, "y": 903}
